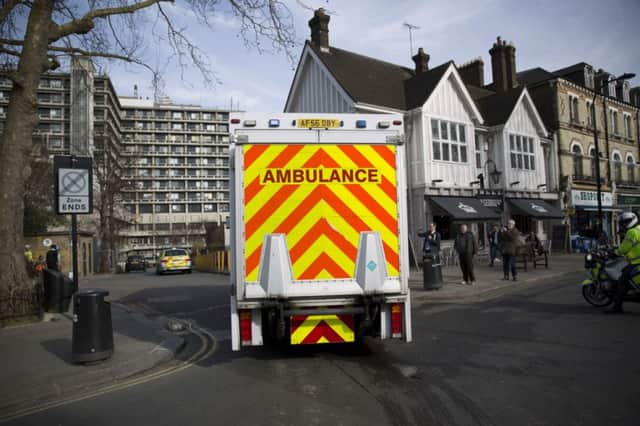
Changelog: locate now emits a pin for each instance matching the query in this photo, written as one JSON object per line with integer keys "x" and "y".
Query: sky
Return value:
{"x": 546, "y": 33}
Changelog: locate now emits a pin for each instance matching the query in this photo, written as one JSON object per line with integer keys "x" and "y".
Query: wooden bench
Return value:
{"x": 541, "y": 257}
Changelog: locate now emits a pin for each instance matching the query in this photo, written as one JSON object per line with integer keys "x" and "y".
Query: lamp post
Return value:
{"x": 625, "y": 76}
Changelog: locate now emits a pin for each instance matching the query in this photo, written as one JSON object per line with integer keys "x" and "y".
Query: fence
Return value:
{"x": 218, "y": 261}
{"x": 21, "y": 303}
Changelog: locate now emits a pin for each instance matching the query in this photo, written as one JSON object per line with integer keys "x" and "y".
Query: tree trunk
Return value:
{"x": 15, "y": 149}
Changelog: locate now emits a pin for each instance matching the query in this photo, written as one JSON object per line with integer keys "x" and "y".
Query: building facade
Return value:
{"x": 461, "y": 167}
{"x": 177, "y": 159}
{"x": 566, "y": 100}
{"x": 161, "y": 169}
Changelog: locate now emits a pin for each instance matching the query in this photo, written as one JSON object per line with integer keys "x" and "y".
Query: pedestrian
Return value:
{"x": 535, "y": 243}
{"x": 431, "y": 244}
{"x": 28, "y": 255}
{"x": 494, "y": 242}
{"x": 466, "y": 247}
{"x": 40, "y": 264}
{"x": 509, "y": 242}
{"x": 53, "y": 258}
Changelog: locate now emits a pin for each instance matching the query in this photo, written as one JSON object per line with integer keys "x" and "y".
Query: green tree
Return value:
{"x": 36, "y": 36}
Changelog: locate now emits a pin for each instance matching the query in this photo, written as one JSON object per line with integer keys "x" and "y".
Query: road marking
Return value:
{"x": 202, "y": 354}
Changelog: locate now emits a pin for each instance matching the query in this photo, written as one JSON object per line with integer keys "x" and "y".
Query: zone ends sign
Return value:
{"x": 73, "y": 182}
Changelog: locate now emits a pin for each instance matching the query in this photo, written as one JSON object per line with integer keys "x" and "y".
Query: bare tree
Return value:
{"x": 37, "y": 36}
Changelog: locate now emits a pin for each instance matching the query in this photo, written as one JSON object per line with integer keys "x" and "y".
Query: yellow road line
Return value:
{"x": 202, "y": 354}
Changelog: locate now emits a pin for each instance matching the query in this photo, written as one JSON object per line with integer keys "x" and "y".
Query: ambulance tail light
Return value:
{"x": 397, "y": 122}
{"x": 245, "y": 327}
{"x": 383, "y": 124}
{"x": 396, "y": 320}
{"x": 235, "y": 121}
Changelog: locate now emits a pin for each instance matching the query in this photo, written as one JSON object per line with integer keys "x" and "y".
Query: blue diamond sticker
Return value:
{"x": 372, "y": 265}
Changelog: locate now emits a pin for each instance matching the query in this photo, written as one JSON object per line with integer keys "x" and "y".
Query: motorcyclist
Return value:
{"x": 630, "y": 249}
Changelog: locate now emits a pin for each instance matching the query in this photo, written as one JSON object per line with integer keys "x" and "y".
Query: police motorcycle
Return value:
{"x": 605, "y": 269}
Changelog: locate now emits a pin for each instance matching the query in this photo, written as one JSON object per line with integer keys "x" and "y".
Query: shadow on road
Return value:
{"x": 60, "y": 348}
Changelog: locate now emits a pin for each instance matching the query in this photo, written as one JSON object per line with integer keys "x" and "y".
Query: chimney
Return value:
{"x": 472, "y": 72}
{"x": 503, "y": 65}
{"x": 319, "y": 25}
{"x": 422, "y": 61}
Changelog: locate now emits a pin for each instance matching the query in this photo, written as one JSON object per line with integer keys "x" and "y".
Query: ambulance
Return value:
{"x": 318, "y": 218}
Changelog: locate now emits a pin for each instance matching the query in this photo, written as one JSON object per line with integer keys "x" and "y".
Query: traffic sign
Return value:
{"x": 73, "y": 182}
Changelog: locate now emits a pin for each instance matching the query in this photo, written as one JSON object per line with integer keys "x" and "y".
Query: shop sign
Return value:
{"x": 590, "y": 198}
{"x": 628, "y": 200}
{"x": 492, "y": 203}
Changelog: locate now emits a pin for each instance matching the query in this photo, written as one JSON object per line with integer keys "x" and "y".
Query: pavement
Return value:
{"x": 36, "y": 363}
{"x": 489, "y": 279}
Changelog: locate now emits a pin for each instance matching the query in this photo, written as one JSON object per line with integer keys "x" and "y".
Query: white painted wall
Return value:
{"x": 446, "y": 103}
{"x": 522, "y": 123}
{"x": 317, "y": 91}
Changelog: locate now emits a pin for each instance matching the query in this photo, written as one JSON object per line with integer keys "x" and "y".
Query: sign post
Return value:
{"x": 73, "y": 179}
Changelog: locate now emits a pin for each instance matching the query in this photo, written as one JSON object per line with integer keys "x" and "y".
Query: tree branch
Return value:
{"x": 86, "y": 24}
{"x": 7, "y": 7}
{"x": 9, "y": 51}
{"x": 107, "y": 55}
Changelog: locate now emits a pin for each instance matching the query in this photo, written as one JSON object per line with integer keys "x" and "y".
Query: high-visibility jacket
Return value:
{"x": 630, "y": 246}
{"x": 28, "y": 256}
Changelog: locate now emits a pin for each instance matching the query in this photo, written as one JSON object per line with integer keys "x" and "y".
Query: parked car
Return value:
{"x": 135, "y": 263}
{"x": 174, "y": 259}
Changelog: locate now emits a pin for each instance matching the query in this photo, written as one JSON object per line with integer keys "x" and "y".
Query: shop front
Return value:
{"x": 629, "y": 203}
{"x": 449, "y": 212}
{"x": 534, "y": 215}
{"x": 584, "y": 216}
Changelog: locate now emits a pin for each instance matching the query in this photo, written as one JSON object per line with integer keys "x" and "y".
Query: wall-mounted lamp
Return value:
{"x": 514, "y": 183}
{"x": 542, "y": 185}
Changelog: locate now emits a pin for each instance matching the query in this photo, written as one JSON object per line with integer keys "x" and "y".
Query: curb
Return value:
{"x": 434, "y": 297}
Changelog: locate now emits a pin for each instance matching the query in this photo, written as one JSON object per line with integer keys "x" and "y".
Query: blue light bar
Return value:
{"x": 361, "y": 124}
{"x": 274, "y": 122}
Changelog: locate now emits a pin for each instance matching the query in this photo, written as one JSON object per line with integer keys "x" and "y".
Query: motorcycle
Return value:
{"x": 605, "y": 269}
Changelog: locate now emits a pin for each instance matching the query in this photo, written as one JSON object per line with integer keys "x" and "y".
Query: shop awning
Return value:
{"x": 465, "y": 208}
{"x": 536, "y": 208}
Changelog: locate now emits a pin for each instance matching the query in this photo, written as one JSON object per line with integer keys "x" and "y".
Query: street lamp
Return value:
{"x": 624, "y": 76}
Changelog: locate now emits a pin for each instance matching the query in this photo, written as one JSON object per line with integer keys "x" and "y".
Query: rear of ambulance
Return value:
{"x": 319, "y": 231}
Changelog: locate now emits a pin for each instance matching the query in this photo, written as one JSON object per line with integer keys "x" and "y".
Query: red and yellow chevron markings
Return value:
{"x": 321, "y": 197}
{"x": 313, "y": 329}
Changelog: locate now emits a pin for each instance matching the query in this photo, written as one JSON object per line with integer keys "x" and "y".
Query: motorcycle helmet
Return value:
{"x": 627, "y": 220}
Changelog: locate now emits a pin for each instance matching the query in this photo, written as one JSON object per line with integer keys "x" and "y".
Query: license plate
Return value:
{"x": 318, "y": 123}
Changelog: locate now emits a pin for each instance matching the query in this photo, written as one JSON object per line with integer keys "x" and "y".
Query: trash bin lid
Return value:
{"x": 92, "y": 292}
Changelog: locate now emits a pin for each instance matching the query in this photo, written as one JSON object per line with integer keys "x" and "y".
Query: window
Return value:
{"x": 176, "y": 116}
{"x": 589, "y": 114}
{"x": 145, "y": 208}
{"x": 588, "y": 77}
{"x": 522, "y": 152}
{"x": 177, "y": 208}
{"x": 617, "y": 167}
{"x": 576, "y": 152}
{"x": 627, "y": 126}
{"x": 449, "y": 141}
{"x": 177, "y": 126}
{"x": 631, "y": 169}
{"x": 613, "y": 116}
{"x": 208, "y": 208}
{"x": 195, "y": 208}
{"x": 478, "y": 154}
{"x": 573, "y": 109}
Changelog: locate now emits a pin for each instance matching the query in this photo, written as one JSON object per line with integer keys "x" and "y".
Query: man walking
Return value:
{"x": 466, "y": 247}
{"x": 53, "y": 259}
{"x": 494, "y": 241}
{"x": 509, "y": 242}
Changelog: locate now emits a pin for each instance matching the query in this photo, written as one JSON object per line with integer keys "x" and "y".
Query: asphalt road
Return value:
{"x": 539, "y": 356}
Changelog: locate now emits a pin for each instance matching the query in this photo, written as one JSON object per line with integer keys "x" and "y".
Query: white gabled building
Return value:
{"x": 462, "y": 166}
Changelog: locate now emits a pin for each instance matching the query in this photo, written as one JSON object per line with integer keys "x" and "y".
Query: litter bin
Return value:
{"x": 92, "y": 331}
{"x": 431, "y": 272}
{"x": 54, "y": 291}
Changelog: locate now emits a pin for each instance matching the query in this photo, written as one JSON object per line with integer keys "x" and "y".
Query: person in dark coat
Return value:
{"x": 466, "y": 247}
{"x": 494, "y": 242}
{"x": 53, "y": 258}
{"x": 509, "y": 242}
{"x": 431, "y": 245}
